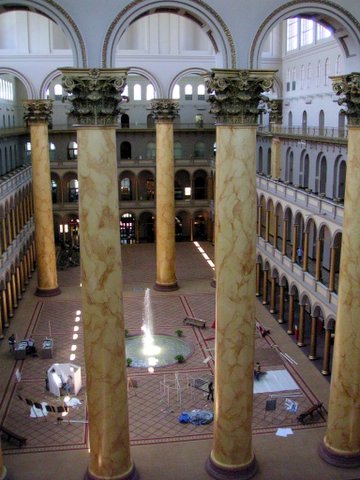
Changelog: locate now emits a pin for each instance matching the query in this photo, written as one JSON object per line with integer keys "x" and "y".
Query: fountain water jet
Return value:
{"x": 149, "y": 350}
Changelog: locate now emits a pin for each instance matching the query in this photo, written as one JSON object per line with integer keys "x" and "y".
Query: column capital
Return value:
{"x": 37, "y": 111}
{"x": 164, "y": 109}
{"x": 347, "y": 87}
{"x": 275, "y": 106}
{"x": 234, "y": 95}
{"x": 95, "y": 94}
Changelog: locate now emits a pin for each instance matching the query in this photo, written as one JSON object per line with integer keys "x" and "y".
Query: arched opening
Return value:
{"x": 127, "y": 228}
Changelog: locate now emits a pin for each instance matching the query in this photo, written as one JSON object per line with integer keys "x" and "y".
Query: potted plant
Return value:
{"x": 179, "y": 333}
{"x": 180, "y": 358}
{"x": 129, "y": 362}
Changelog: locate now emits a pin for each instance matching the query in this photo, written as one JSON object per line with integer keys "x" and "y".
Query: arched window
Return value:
{"x": 125, "y": 120}
{"x": 178, "y": 150}
{"x": 150, "y": 92}
{"x": 293, "y": 79}
{"x": 199, "y": 150}
{"x": 125, "y": 150}
{"x": 176, "y": 92}
{"x": 54, "y": 191}
{"x": 321, "y": 122}
{"x": 188, "y": 92}
{"x": 326, "y": 72}
{"x": 137, "y": 91}
{"x": 308, "y": 76}
{"x": 72, "y": 150}
{"x": 201, "y": 92}
{"x": 304, "y": 121}
{"x": 52, "y": 149}
{"x": 290, "y": 119}
{"x": 58, "y": 91}
{"x": 323, "y": 174}
{"x": 302, "y": 77}
{"x": 150, "y": 150}
{"x": 341, "y": 122}
{"x": 73, "y": 190}
{"x": 268, "y": 168}
{"x": 260, "y": 161}
{"x": 318, "y": 73}
{"x": 338, "y": 65}
{"x": 125, "y": 189}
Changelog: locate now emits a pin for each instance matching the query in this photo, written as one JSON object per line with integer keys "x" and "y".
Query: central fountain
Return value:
{"x": 149, "y": 350}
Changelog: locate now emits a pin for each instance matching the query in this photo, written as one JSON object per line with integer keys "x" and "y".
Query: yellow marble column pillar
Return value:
{"x": 265, "y": 287}
{"x": 284, "y": 240}
{"x": 267, "y": 225}
{"x": 313, "y": 338}
{"x": 9, "y": 298}
{"x": 234, "y": 98}
{"x": 300, "y": 342}
{"x": 14, "y": 290}
{"x": 306, "y": 251}
{"x": 281, "y": 304}
{"x": 290, "y": 329}
{"x": 273, "y": 295}
{"x": 101, "y": 271}
{"x": 258, "y": 276}
{"x": 37, "y": 115}
{"x": 341, "y": 444}
{"x": 326, "y": 355}
{"x": 4, "y": 235}
{"x": 294, "y": 242}
{"x": 18, "y": 282}
{"x": 318, "y": 259}
{"x": 3, "y": 471}
{"x": 276, "y": 229}
{"x": 259, "y": 214}
{"x": 4, "y": 304}
{"x": 164, "y": 112}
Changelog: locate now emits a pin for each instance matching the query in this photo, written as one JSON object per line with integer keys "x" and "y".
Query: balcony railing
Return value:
{"x": 327, "y": 132}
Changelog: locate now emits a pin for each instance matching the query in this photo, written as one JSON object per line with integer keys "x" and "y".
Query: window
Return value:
{"x": 52, "y": 149}
{"x": 199, "y": 150}
{"x": 188, "y": 92}
{"x": 308, "y": 76}
{"x": 178, "y": 150}
{"x": 307, "y": 28}
{"x": 150, "y": 92}
{"x": 291, "y": 34}
{"x": 151, "y": 150}
{"x": 318, "y": 73}
{"x": 293, "y": 79}
{"x": 176, "y": 92}
{"x": 338, "y": 65}
{"x": 322, "y": 32}
{"x": 6, "y": 90}
{"x": 73, "y": 190}
{"x": 302, "y": 77}
{"x": 58, "y": 91}
{"x": 72, "y": 150}
{"x": 326, "y": 72}
{"x": 201, "y": 92}
{"x": 137, "y": 91}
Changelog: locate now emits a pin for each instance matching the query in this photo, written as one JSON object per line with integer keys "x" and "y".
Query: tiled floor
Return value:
{"x": 153, "y": 415}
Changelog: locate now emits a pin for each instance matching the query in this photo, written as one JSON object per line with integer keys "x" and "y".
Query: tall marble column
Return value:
{"x": 164, "y": 112}
{"x": 290, "y": 329}
{"x": 326, "y": 355}
{"x": 341, "y": 444}
{"x": 37, "y": 115}
{"x": 234, "y": 98}
{"x": 281, "y": 304}
{"x": 98, "y": 92}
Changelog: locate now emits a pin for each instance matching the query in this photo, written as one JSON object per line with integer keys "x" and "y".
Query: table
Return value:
{"x": 20, "y": 350}
{"x": 47, "y": 348}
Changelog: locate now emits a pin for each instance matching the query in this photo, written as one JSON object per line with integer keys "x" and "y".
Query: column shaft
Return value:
{"x": 102, "y": 304}
{"x": 276, "y": 230}
{"x": 5, "y": 310}
{"x": 290, "y": 330}
{"x": 273, "y": 296}
{"x": 47, "y": 284}
{"x": 265, "y": 288}
{"x": 306, "y": 251}
{"x": 326, "y": 355}
{"x": 276, "y": 157}
{"x": 165, "y": 207}
{"x": 332, "y": 269}
{"x": 318, "y": 260}
{"x": 284, "y": 237}
{"x": 267, "y": 225}
{"x": 258, "y": 275}
{"x": 300, "y": 342}
{"x": 235, "y": 294}
{"x": 281, "y": 304}
{"x": 313, "y": 338}
{"x": 259, "y": 210}
{"x": 294, "y": 243}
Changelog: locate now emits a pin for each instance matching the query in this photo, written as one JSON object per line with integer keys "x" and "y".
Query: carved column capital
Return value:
{"x": 164, "y": 109}
{"x": 37, "y": 111}
{"x": 275, "y": 106}
{"x": 347, "y": 87}
{"x": 95, "y": 94}
{"x": 234, "y": 95}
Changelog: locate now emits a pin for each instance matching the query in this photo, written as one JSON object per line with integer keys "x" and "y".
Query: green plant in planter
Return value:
{"x": 129, "y": 362}
{"x": 180, "y": 358}
{"x": 179, "y": 333}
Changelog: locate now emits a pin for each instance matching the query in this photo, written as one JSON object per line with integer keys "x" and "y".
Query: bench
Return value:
{"x": 196, "y": 322}
{"x": 12, "y": 435}
{"x": 309, "y": 412}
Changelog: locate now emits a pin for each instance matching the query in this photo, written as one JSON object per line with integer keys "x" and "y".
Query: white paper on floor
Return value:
{"x": 36, "y": 412}
{"x": 72, "y": 402}
{"x": 284, "y": 432}
{"x": 275, "y": 381}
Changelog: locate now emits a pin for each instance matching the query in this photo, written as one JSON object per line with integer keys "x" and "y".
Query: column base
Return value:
{"x": 290, "y": 332}
{"x": 166, "y": 288}
{"x": 213, "y": 283}
{"x": 280, "y": 320}
{"x": 257, "y": 294}
{"x": 312, "y": 357}
{"x": 325, "y": 372}
{"x": 132, "y": 475}
{"x": 300, "y": 344}
{"x": 51, "y": 292}
{"x": 272, "y": 311}
{"x": 337, "y": 459}
{"x": 265, "y": 302}
{"x": 222, "y": 473}
{"x": 3, "y": 474}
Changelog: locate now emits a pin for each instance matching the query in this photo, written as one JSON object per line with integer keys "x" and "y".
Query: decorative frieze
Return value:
{"x": 164, "y": 109}
{"x": 95, "y": 94}
{"x": 348, "y": 88}
{"x": 37, "y": 111}
{"x": 235, "y": 95}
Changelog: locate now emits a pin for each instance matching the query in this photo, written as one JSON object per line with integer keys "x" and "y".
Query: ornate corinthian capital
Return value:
{"x": 95, "y": 94}
{"x": 348, "y": 89}
{"x": 164, "y": 109}
{"x": 234, "y": 95}
{"x": 37, "y": 111}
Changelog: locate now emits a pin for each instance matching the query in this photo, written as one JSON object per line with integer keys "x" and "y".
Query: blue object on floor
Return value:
{"x": 196, "y": 417}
